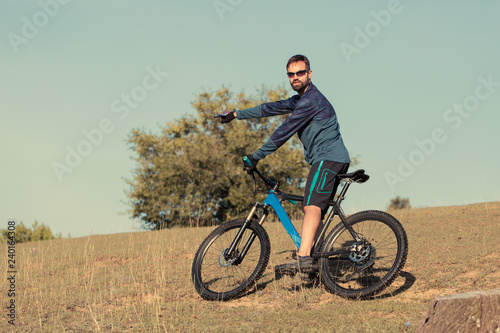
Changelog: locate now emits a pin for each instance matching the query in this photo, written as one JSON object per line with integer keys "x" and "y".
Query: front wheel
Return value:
{"x": 368, "y": 266}
{"x": 217, "y": 276}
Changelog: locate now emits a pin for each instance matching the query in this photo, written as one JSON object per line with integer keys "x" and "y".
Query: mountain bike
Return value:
{"x": 359, "y": 257}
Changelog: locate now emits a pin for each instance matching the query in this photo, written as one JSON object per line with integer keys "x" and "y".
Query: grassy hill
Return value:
{"x": 141, "y": 281}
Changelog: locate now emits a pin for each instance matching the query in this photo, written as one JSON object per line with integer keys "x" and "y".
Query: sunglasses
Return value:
{"x": 299, "y": 73}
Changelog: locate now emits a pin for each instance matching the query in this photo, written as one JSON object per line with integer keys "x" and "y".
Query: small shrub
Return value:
{"x": 399, "y": 203}
{"x": 23, "y": 234}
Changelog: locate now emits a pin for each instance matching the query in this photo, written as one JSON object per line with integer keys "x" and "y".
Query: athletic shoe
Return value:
{"x": 297, "y": 264}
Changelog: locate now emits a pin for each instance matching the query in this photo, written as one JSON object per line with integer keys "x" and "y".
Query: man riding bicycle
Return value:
{"x": 314, "y": 120}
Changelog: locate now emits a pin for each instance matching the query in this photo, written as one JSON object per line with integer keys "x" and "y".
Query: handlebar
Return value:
{"x": 269, "y": 183}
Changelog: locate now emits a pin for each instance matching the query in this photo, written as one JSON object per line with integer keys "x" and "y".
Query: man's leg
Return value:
{"x": 320, "y": 188}
{"x": 318, "y": 191}
{"x": 310, "y": 226}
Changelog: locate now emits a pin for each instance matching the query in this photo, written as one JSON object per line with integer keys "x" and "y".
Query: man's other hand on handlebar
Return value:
{"x": 249, "y": 162}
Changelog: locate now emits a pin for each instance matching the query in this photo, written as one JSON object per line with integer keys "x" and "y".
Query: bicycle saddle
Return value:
{"x": 358, "y": 176}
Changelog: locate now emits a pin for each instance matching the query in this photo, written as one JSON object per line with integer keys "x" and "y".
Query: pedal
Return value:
{"x": 308, "y": 276}
{"x": 278, "y": 273}
{"x": 304, "y": 277}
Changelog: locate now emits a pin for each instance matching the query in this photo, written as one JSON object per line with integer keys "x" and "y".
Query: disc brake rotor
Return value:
{"x": 359, "y": 252}
{"x": 363, "y": 255}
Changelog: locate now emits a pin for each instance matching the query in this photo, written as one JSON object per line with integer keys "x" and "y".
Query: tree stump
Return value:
{"x": 475, "y": 311}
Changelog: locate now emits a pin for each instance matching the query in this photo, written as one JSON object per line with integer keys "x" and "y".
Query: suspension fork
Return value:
{"x": 230, "y": 251}
{"x": 251, "y": 238}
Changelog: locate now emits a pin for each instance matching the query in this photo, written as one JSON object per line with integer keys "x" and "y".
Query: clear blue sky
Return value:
{"x": 416, "y": 86}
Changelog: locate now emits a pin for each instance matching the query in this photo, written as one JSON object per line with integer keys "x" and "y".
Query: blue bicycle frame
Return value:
{"x": 273, "y": 201}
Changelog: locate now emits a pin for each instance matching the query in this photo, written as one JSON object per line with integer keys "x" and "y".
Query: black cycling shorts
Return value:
{"x": 322, "y": 184}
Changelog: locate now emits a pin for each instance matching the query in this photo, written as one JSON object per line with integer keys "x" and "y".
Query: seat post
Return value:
{"x": 343, "y": 192}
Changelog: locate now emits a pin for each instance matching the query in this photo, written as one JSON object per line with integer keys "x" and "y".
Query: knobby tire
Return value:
{"x": 218, "y": 279}
{"x": 350, "y": 278}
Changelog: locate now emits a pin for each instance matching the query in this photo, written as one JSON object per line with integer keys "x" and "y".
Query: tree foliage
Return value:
{"x": 191, "y": 173}
{"x": 399, "y": 203}
{"x": 23, "y": 234}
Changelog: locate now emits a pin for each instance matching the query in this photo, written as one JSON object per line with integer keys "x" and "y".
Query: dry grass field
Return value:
{"x": 140, "y": 282}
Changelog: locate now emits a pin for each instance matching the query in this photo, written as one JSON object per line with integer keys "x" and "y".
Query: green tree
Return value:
{"x": 23, "y": 234}
{"x": 399, "y": 203}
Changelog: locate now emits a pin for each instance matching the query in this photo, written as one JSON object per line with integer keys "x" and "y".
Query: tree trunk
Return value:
{"x": 475, "y": 311}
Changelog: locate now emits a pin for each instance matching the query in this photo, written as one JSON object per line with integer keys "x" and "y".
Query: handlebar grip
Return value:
{"x": 247, "y": 161}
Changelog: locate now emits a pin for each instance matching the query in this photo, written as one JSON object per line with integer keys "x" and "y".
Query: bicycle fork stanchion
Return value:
{"x": 237, "y": 239}
{"x": 252, "y": 236}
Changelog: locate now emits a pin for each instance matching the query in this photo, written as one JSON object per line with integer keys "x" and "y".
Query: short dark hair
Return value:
{"x": 298, "y": 57}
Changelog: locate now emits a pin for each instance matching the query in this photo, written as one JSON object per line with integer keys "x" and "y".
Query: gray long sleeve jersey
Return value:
{"x": 314, "y": 120}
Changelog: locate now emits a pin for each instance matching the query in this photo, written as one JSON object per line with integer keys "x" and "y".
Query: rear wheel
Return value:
{"x": 217, "y": 276}
{"x": 371, "y": 264}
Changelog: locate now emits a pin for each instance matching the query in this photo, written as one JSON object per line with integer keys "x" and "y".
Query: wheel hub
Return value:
{"x": 225, "y": 261}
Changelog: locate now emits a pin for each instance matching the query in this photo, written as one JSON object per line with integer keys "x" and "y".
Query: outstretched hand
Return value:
{"x": 226, "y": 116}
